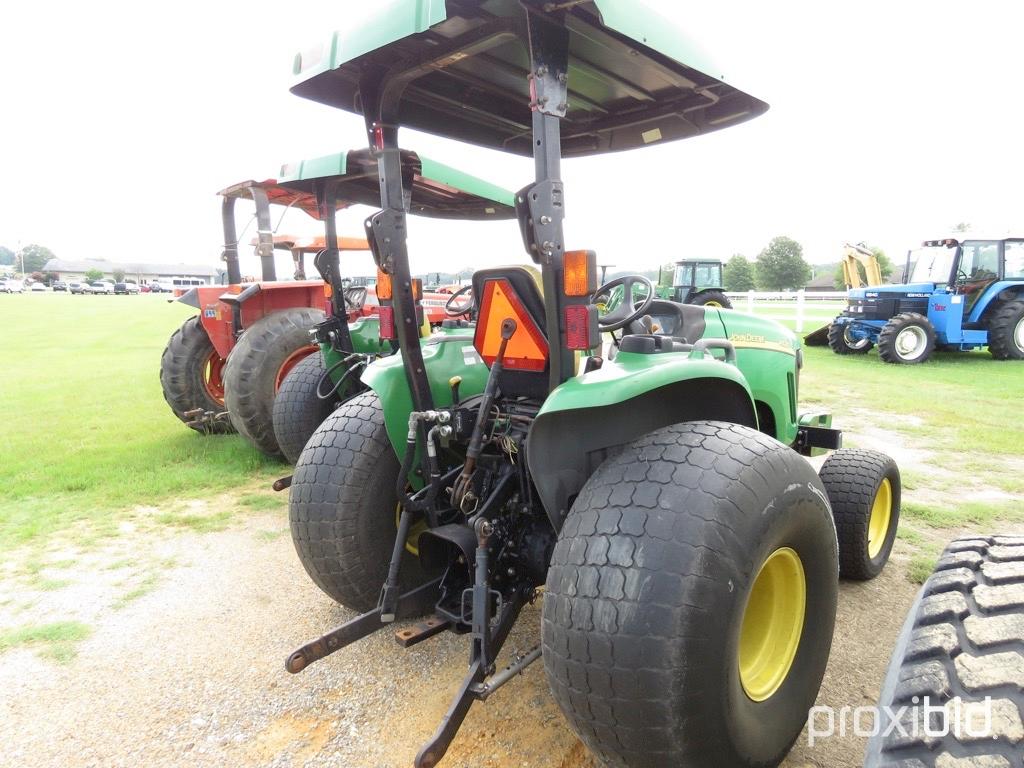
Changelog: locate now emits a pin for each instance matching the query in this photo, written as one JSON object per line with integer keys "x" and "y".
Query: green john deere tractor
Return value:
{"x": 689, "y": 553}
{"x": 699, "y": 281}
{"x": 349, "y": 338}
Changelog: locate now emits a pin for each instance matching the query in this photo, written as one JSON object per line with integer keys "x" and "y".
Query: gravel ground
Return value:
{"x": 191, "y": 671}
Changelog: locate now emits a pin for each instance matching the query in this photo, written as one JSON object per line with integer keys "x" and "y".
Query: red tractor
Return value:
{"x": 222, "y": 369}
{"x": 264, "y": 323}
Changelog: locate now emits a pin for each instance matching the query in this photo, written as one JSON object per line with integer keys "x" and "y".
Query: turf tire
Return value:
{"x": 648, "y": 586}
{"x": 963, "y": 638}
{"x": 841, "y": 345}
{"x": 887, "y": 349}
{"x": 297, "y": 409}
{"x": 182, "y": 375}
{"x": 342, "y": 506}
{"x": 852, "y": 479}
{"x": 1006, "y": 331}
{"x": 251, "y": 373}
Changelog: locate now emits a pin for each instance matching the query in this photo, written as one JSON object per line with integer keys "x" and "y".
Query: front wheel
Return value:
{"x": 691, "y": 599}
{"x": 864, "y": 491}
{"x": 843, "y": 343}
{"x": 191, "y": 377}
{"x": 712, "y": 299}
{"x": 908, "y": 339}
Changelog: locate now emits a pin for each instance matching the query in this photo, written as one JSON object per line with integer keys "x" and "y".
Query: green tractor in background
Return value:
{"x": 698, "y": 282}
{"x": 688, "y": 551}
{"x": 349, "y": 340}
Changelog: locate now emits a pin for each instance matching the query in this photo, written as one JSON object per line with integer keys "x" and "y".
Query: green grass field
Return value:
{"x": 86, "y": 433}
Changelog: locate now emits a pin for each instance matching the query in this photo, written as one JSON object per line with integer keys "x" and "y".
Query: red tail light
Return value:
{"x": 387, "y": 322}
{"x": 578, "y": 327}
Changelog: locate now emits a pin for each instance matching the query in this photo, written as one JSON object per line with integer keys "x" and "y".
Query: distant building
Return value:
{"x": 138, "y": 272}
{"x": 825, "y": 281}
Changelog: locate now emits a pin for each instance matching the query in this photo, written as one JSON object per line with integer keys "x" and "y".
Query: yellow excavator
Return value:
{"x": 854, "y": 257}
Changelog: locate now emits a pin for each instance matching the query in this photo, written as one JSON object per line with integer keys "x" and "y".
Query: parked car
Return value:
{"x": 99, "y": 286}
{"x": 59, "y": 285}
{"x": 78, "y": 287}
{"x": 157, "y": 288}
{"x": 12, "y": 286}
{"x": 126, "y": 288}
{"x": 38, "y": 287}
{"x": 145, "y": 288}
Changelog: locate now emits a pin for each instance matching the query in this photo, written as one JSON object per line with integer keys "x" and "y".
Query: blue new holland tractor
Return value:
{"x": 956, "y": 295}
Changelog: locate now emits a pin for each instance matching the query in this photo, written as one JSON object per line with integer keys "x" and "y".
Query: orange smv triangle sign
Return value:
{"x": 527, "y": 350}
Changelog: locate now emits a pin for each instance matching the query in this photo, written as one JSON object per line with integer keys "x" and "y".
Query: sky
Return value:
{"x": 890, "y": 123}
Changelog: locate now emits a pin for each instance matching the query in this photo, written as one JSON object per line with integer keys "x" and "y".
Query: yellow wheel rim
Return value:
{"x": 773, "y": 622}
{"x": 881, "y": 515}
{"x": 712, "y": 304}
{"x": 413, "y": 539}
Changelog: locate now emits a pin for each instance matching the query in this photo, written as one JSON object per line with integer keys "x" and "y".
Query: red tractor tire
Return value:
{"x": 191, "y": 376}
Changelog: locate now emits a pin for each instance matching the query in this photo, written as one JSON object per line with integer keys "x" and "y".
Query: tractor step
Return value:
{"x": 423, "y": 630}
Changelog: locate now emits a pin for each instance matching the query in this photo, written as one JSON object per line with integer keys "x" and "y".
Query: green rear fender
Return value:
{"x": 445, "y": 354}
{"x": 591, "y": 416}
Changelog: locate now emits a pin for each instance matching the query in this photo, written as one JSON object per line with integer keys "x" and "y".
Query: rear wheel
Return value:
{"x": 342, "y": 506}
{"x": 191, "y": 376}
{"x": 864, "y": 491}
{"x": 297, "y": 409}
{"x": 712, "y": 299}
{"x": 842, "y": 343}
{"x": 1006, "y": 331}
{"x": 691, "y": 598}
{"x": 954, "y": 681}
{"x": 263, "y": 356}
{"x": 908, "y": 338}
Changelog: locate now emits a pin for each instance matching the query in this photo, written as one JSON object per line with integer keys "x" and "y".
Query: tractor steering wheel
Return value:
{"x": 454, "y": 309}
{"x": 627, "y": 311}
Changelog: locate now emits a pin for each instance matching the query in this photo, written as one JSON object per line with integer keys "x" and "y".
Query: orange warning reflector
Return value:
{"x": 417, "y": 289}
{"x": 383, "y": 285}
{"x": 527, "y": 349}
{"x": 576, "y": 276}
{"x": 328, "y": 290}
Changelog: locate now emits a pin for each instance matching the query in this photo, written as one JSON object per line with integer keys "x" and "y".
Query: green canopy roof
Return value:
{"x": 438, "y": 190}
{"x": 634, "y": 78}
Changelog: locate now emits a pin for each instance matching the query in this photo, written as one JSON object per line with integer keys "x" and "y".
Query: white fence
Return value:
{"x": 797, "y": 307}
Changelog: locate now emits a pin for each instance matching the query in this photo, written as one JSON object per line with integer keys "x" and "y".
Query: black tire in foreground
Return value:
{"x": 840, "y": 342}
{"x": 712, "y": 299}
{"x": 908, "y": 338}
{"x": 257, "y": 366}
{"x": 691, "y": 600}
{"x": 190, "y": 376}
{"x": 342, "y": 506}
{"x": 963, "y": 641}
{"x": 1006, "y": 331}
{"x": 297, "y": 409}
{"x": 864, "y": 490}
